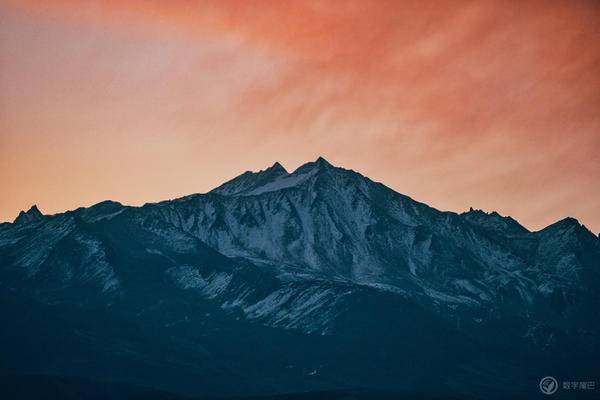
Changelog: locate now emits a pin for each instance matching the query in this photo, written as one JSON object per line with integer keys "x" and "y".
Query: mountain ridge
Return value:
{"x": 321, "y": 255}
{"x": 278, "y": 170}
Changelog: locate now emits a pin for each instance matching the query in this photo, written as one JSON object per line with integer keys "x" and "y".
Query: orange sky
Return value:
{"x": 490, "y": 104}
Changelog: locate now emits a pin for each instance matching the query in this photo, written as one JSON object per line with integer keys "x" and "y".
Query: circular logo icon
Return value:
{"x": 548, "y": 385}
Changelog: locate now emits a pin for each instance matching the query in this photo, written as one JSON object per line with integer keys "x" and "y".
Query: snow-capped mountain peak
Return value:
{"x": 320, "y": 164}
{"x": 249, "y": 180}
{"x": 272, "y": 179}
{"x": 322, "y": 250}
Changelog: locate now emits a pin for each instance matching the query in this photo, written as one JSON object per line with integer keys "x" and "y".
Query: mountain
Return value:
{"x": 317, "y": 280}
{"x": 31, "y": 215}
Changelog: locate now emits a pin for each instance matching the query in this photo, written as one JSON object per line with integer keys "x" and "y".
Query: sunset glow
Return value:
{"x": 490, "y": 104}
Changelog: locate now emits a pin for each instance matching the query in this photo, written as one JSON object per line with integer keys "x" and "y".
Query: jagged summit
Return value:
{"x": 323, "y": 162}
{"x": 493, "y": 221}
{"x": 276, "y": 177}
{"x": 271, "y": 179}
{"x": 278, "y": 167}
{"x": 320, "y": 164}
{"x": 31, "y": 215}
{"x": 250, "y": 180}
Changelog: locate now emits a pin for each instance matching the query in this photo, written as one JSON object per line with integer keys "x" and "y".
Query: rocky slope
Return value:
{"x": 323, "y": 259}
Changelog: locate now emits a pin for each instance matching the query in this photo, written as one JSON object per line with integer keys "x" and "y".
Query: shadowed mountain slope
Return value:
{"x": 315, "y": 280}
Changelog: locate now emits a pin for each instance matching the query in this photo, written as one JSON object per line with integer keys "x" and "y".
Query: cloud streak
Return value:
{"x": 491, "y": 104}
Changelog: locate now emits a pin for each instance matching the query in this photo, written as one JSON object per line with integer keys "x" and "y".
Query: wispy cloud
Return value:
{"x": 492, "y": 104}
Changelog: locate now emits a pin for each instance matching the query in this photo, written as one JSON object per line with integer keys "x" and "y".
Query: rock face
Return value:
{"x": 319, "y": 279}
